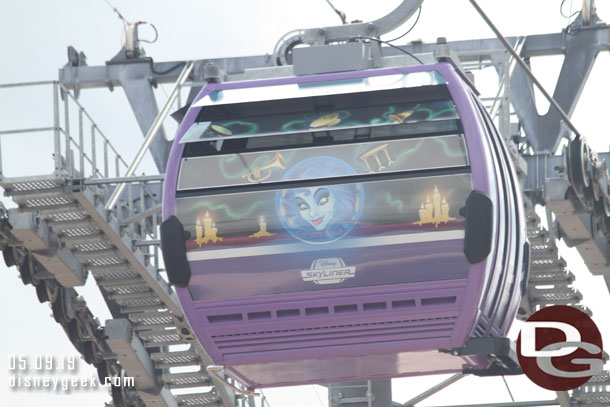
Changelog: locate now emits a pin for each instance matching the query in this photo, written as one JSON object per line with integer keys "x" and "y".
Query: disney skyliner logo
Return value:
{"x": 559, "y": 348}
{"x": 56, "y": 373}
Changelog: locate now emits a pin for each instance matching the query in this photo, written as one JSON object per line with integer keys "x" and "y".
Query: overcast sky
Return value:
{"x": 34, "y": 35}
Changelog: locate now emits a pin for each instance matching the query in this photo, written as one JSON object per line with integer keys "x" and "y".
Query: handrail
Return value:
{"x": 77, "y": 103}
{"x": 152, "y": 132}
{"x": 66, "y": 158}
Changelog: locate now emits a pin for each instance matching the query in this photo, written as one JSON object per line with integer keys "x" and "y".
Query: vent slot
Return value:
{"x": 214, "y": 319}
{"x": 438, "y": 301}
{"x": 345, "y": 308}
{"x": 439, "y": 328}
{"x": 259, "y": 315}
{"x": 316, "y": 311}
{"x": 287, "y": 313}
{"x": 403, "y": 304}
{"x": 374, "y": 306}
{"x": 422, "y": 322}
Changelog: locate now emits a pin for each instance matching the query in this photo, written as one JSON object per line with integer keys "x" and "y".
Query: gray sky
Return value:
{"x": 34, "y": 35}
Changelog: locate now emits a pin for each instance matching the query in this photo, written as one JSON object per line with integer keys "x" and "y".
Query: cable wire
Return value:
{"x": 156, "y": 34}
{"x": 410, "y": 29}
{"x": 318, "y": 396}
{"x": 340, "y": 13}
{"x": 508, "y": 388}
{"x": 264, "y": 400}
{"x": 525, "y": 68}
{"x": 393, "y": 46}
{"x": 116, "y": 11}
{"x": 152, "y": 67}
{"x": 563, "y": 14}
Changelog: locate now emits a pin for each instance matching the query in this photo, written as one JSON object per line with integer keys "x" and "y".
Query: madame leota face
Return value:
{"x": 316, "y": 206}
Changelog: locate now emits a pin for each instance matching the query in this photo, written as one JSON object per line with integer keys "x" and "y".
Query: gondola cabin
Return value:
{"x": 343, "y": 226}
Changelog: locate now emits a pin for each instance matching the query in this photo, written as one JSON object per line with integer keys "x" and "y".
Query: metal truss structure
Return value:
{"x": 76, "y": 221}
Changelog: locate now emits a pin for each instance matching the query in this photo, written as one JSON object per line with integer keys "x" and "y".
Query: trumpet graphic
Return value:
{"x": 400, "y": 117}
{"x": 259, "y": 174}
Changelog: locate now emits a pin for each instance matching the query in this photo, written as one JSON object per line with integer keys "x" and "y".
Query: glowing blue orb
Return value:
{"x": 321, "y": 213}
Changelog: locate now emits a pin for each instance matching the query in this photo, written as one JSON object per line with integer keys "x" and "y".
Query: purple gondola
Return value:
{"x": 344, "y": 226}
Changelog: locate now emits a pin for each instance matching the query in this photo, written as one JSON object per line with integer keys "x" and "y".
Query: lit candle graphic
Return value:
{"x": 210, "y": 233}
{"x": 262, "y": 225}
{"x": 199, "y": 233}
{"x": 436, "y": 199}
{"x": 445, "y": 211}
{"x": 422, "y": 214}
{"x": 429, "y": 210}
{"x": 434, "y": 211}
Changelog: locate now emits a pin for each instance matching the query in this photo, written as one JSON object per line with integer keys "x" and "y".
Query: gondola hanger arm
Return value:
{"x": 383, "y": 25}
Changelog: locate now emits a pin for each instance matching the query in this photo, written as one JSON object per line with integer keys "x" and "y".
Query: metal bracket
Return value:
{"x": 346, "y": 32}
{"x": 500, "y": 351}
{"x": 215, "y": 369}
{"x": 544, "y": 132}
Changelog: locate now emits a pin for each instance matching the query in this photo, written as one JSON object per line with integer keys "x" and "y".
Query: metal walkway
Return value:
{"x": 60, "y": 232}
{"x": 550, "y": 283}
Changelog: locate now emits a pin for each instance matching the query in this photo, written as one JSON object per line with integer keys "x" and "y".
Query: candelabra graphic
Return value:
{"x": 262, "y": 229}
{"x": 434, "y": 211}
{"x": 207, "y": 232}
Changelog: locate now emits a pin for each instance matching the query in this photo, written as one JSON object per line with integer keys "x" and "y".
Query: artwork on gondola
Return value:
{"x": 324, "y": 235}
{"x": 319, "y": 214}
{"x": 285, "y": 123}
{"x": 435, "y": 211}
{"x": 364, "y": 158}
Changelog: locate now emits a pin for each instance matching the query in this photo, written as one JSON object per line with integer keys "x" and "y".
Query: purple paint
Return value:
{"x": 369, "y": 328}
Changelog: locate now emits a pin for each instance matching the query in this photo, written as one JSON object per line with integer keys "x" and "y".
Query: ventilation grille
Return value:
{"x": 335, "y": 335}
{"x": 315, "y": 325}
{"x": 354, "y": 308}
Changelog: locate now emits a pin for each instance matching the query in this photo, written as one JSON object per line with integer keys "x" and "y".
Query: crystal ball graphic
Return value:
{"x": 318, "y": 213}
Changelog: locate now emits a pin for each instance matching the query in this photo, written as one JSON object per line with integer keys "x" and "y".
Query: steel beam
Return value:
{"x": 371, "y": 393}
{"x": 511, "y": 404}
{"x": 42, "y": 242}
{"x": 580, "y": 49}
{"x": 135, "y": 82}
{"x": 131, "y": 353}
{"x": 434, "y": 389}
{"x": 580, "y": 46}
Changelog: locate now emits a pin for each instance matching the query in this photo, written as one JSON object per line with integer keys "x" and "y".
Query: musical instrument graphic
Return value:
{"x": 325, "y": 121}
{"x": 219, "y": 131}
{"x": 400, "y": 117}
{"x": 259, "y": 174}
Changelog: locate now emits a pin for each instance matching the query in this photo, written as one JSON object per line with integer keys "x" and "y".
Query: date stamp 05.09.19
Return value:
{"x": 58, "y": 373}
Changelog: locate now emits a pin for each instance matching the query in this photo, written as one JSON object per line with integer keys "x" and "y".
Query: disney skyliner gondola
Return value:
{"x": 343, "y": 226}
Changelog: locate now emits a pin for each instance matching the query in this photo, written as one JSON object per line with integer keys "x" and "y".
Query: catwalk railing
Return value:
{"x": 60, "y": 232}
